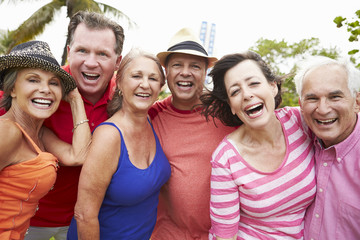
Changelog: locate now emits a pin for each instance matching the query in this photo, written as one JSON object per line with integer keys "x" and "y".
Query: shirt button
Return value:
{"x": 338, "y": 159}
{"x": 320, "y": 190}
{"x": 312, "y": 239}
{"x": 325, "y": 164}
{"x": 317, "y": 215}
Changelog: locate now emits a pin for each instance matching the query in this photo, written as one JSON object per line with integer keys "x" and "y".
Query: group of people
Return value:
{"x": 90, "y": 154}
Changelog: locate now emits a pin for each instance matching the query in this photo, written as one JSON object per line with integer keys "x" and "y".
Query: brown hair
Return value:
{"x": 94, "y": 20}
{"x": 215, "y": 102}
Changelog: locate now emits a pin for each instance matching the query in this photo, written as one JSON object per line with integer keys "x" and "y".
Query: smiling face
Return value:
{"x": 327, "y": 104}
{"x": 250, "y": 95}
{"x": 93, "y": 60}
{"x": 185, "y": 78}
{"x": 140, "y": 84}
{"x": 36, "y": 92}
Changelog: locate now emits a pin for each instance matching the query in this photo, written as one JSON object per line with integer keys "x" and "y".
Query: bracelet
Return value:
{"x": 79, "y": 123}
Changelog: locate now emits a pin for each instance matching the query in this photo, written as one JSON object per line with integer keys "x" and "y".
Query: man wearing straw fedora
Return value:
{"x": 188, "y": 141}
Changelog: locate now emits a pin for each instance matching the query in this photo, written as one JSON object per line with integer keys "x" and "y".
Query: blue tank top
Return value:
{"x": 129, "y": 207}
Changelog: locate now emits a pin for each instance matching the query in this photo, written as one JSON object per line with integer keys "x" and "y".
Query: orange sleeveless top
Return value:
{"x": 21, "y": 187}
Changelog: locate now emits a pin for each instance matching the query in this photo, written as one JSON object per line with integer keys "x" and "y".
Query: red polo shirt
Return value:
{"x": 57, "y": 208}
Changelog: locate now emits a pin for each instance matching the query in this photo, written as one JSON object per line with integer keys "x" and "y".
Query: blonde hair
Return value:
{"x": 116, "y": 102}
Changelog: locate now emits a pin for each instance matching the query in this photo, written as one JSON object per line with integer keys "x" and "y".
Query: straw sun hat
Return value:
{"x": 185, "y": 41}
{"x": 35, "y": 54}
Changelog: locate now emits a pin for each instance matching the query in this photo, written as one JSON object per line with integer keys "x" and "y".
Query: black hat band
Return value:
{"x": 188, "y": 45}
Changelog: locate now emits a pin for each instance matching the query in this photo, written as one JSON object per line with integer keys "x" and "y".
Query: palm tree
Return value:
{"x": 35, "y": 25}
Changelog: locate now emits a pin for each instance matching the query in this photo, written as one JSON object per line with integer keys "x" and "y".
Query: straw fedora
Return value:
{"x": 185, "y": 41}
{"x": 34, "y": 54}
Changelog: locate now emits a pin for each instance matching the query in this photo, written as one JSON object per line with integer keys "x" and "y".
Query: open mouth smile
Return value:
{"x": 184, "y": 84}
{"x": 41, "y": 102}
{"x": 255, "y": 110}
{"x": 143, "y": 95}
{"x": 326, "y": 122}
{"x": 90, "y": 76}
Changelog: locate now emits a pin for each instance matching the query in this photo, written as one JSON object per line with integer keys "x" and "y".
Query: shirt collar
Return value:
{"x": 344, "y": 147}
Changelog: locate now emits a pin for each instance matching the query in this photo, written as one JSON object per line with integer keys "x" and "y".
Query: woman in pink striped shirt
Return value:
{"x": 263, "y": 176}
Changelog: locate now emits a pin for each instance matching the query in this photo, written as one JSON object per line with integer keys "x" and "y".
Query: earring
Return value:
{"x": 120, "y": 93}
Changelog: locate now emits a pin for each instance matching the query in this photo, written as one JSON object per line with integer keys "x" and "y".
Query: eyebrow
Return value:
{"x": 246, "y": 80}
{"x": 336, "y": 92}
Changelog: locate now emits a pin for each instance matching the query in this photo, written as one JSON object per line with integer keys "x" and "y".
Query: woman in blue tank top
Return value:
{"x": 125, "y": 166}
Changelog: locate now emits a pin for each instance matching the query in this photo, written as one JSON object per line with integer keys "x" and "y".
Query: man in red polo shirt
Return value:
{"x": 94, "y": 53}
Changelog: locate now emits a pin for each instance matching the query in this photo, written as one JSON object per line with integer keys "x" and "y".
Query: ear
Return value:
{"x": 118, "y": 60}
{"x": 299, "y": 101}
{"x": 68, "y": 52}
{"x": 357, "y": 102}
{"x": 274, "y": 88}
{"x": 13, "y": 93}
{"x": 232, "y": 110}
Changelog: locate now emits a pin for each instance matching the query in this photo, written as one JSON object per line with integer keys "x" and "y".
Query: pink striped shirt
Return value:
{"x": 258, "y": 205}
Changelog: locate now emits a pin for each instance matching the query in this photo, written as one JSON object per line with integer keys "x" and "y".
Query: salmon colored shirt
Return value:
{"x": 21, "y": 187}
{"x": 188, "y": 141}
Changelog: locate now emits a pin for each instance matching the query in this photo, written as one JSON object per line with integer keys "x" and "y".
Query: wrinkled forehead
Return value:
{"x": 326, "y": 79}
{"x": 186, "y": 57}
{"x": 327, "y": 69}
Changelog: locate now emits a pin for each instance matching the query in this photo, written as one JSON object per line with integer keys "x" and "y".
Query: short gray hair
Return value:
{"x": 313, "y": 62}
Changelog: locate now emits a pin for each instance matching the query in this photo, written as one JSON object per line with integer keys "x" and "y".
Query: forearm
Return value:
{"x": 81, "y": 132}
{"x": 88, "y": 229}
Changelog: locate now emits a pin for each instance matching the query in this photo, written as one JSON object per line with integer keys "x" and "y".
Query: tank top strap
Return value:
{"x": 111, "y": 124}
{"x": 152, "y": 127}
{"x": 38, "y": 150}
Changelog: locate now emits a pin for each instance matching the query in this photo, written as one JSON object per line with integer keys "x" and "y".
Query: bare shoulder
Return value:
{"x": 106, "y": 134}
{"x": 10, "y": 143}
{"x": 102, "y": 157}
{"x": 11, "y": 131}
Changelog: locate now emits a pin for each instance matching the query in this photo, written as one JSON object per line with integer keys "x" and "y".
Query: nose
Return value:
{"x": 247, "y": 94}
{"x": 185, "y": 71}
{"x": 144, "y": 83}
{"x": 44, "y": 88}
{"x": 323, "y": 106}
{"x": 91, "y": 61}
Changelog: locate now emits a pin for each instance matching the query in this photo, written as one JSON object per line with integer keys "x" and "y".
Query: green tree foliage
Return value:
{"x": 282, "y": 57}
{"x": 353, "y": 28}
{"x": 37, "y": 22}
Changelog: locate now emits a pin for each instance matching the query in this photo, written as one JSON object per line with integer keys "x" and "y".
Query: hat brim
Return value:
{"x": 163, "y": 55}
{"x": 21, "y": 61}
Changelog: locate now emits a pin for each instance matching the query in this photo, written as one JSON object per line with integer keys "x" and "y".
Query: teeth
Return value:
{"x": 42, "y": 101}
{"x": 327, "y": 121}
{"x": 253, "y": 107}
{"x": 91, "y": 74}
{"x": 185, "y": 83}
{"x": 253, "y": 114}
{"x": 143, "y": 94}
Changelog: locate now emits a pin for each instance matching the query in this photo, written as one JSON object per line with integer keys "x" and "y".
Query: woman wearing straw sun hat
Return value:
{"x": 33, "y": 85}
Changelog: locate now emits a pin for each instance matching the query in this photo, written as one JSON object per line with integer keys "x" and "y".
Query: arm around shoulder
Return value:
{"x": 71, "y": 154}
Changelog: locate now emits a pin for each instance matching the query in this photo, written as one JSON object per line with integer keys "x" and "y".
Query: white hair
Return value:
{"x": 313, "y": 62}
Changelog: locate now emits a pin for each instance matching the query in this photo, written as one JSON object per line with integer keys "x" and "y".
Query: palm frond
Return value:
{"x": 35, "y": 25}
{"x": 117, "y": 13}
